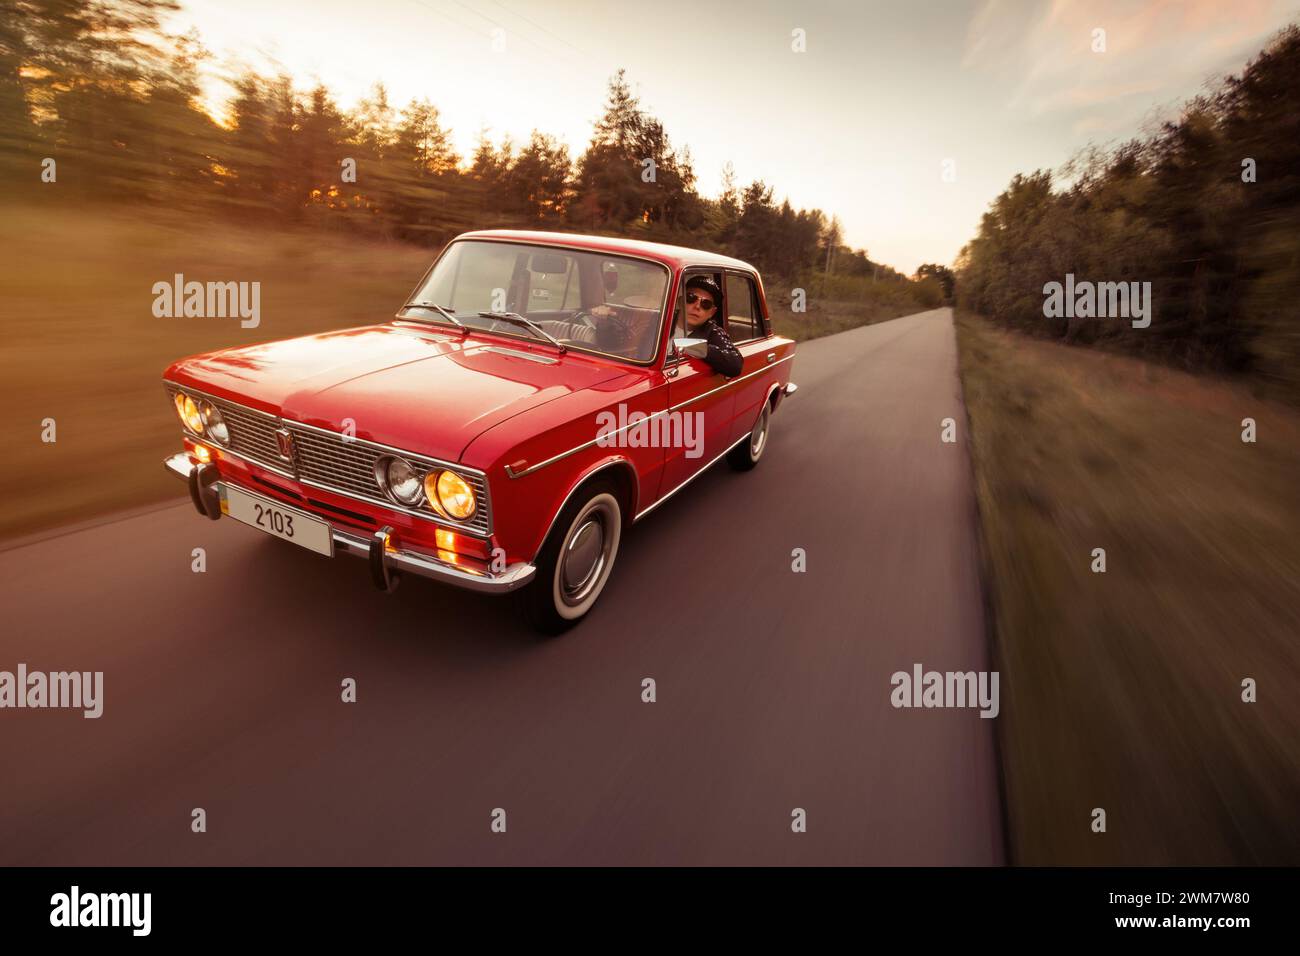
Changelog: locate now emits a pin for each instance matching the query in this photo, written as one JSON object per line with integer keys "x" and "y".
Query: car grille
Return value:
{"x": 326, "y": 460}
{"x": 252, "y": 433}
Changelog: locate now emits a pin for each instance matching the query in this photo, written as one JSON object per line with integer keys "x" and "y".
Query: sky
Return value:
{"x": 904, "y": 119}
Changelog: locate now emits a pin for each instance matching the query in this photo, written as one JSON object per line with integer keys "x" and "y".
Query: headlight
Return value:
{"x": 189, "y": 413}
{"x": 214, "y": 423}
{"x": 399, "y": 479}
{"x": 454, "y": 494}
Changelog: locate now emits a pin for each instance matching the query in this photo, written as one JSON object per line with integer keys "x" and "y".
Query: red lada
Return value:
{"x": 536, "y": 395}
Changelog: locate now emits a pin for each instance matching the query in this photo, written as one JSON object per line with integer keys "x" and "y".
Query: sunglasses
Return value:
{"x": 694, "y": 297}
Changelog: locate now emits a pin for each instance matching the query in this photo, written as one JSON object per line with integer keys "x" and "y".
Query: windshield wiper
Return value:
{"x": 518, "y": 319}
{"x": 441, "y": 310}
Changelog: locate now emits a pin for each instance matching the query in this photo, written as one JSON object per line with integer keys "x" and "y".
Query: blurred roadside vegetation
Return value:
{"x": 81, "y": 345}
{"x": 1123, "y": 690}
{"x": 103, "y": 90}
{"x": 1222, "y": 254}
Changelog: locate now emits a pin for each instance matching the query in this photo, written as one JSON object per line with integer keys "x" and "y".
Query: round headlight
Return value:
{"x": 455, "y": 495}
{"x": 214, "y": 423}
{"x": 190, "y": 415}
{"x": 402, "y": 482}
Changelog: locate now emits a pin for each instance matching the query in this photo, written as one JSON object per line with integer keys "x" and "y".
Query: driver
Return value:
{"x": 703, "y": 298}
{"x": 622, "y": 334}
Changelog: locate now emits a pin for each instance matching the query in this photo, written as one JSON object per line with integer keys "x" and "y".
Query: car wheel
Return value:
{"x": 576, "y": 560}
{"x": 746, "y": 455}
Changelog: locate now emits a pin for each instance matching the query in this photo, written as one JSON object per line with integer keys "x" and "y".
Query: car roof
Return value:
{"x": 673, "y": 256}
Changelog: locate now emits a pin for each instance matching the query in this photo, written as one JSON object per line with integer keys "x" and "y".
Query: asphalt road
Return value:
{"x": 222, "y": 689}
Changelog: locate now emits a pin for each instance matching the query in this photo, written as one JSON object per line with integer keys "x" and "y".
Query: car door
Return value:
{"x": 746, "y": 326}
{"x": 700, "y": 403}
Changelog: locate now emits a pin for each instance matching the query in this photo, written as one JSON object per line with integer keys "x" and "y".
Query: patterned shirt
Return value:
{"x": 723, "y": 356}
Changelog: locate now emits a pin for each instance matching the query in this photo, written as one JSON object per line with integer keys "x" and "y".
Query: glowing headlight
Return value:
{"x": 189, "y": 413}
{"x": 454, "y": 494}
{"x": 400, "y": 480}
{"x": 214, "y": 423}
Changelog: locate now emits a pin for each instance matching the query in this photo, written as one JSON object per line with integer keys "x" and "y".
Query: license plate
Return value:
{"x": 275, "y": 519}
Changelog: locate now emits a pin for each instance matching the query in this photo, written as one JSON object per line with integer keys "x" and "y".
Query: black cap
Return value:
{"x": 704, "y": 282}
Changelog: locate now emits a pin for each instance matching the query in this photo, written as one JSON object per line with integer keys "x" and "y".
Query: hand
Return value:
{"x": 603, "y": 311}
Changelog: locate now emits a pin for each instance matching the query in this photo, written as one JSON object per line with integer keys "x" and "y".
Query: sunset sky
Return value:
{"x": 858, "y": 125}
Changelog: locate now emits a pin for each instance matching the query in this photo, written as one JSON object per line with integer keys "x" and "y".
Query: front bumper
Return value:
{"x": 387, "y": 563}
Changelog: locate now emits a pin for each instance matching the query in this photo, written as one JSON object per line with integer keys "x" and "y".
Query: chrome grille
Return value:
{"x": 324, "y": 459}
{"x": 329, "y": 462}
{"x": 252, "y": 433}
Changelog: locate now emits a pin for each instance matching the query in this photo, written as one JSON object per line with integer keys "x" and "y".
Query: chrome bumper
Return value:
{"x": 386, "y": 563}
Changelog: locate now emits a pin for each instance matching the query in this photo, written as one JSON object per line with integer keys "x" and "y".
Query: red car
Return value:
{"x": 529, "y": 401}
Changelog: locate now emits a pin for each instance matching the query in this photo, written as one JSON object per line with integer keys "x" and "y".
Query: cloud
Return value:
{"x": 1155, "y": 51}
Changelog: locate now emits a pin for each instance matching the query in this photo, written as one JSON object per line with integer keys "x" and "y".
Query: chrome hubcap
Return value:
{"x": 584, "y": 556}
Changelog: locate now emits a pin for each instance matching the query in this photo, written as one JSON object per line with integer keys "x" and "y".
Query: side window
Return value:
{"x": 743, "y": 321}
{"x": 680, "y": 329}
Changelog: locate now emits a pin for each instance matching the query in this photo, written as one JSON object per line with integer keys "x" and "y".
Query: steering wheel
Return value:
{"x": 586, "y": 317}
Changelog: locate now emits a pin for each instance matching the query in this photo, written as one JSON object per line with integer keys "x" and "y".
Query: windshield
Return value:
{"x": 586, "y": 300}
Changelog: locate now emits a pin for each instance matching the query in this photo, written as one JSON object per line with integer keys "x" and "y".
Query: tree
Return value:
{"x": 630, "y": 177}
{"x": 941, "y": 274}
{"x": 537, "y": 182}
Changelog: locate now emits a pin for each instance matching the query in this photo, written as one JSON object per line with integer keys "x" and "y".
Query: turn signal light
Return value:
{"x": 453, "y": 543}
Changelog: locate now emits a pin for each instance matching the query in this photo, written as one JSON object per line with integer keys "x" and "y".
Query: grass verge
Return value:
{"x": 1122, "y": 690}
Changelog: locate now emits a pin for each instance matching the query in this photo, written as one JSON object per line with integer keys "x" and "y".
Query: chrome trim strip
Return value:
{"x": 734, "y": 381}
{"x": 528, "y": 471}
{"x": 693, "y": 476}
{"x": 513, "y": 353}
{"x": 425, "y": 329}
{"x": 511, "y": 473}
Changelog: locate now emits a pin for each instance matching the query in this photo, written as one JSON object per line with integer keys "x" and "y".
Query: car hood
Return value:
{"x": 415, "y": 389}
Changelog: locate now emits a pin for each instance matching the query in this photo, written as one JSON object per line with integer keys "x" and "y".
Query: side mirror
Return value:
{"x": 695, "y": 347}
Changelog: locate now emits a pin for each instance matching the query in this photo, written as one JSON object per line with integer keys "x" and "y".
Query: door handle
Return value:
{"x": 771, "y": 357}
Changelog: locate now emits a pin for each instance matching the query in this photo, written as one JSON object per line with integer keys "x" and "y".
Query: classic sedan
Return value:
{"x": 535, "y": 395}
